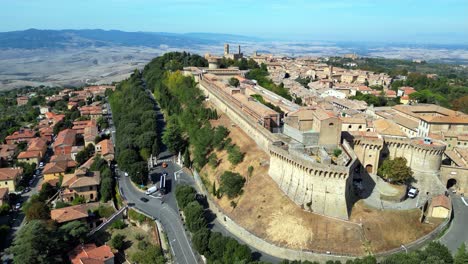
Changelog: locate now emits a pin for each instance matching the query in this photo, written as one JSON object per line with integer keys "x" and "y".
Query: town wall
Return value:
{"x": 258, "y": 133}
{"x": 457, "y": 173}
{"x": 316, "y": 187}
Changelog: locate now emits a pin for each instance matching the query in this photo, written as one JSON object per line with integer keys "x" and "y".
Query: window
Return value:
{"x": 331, "y": 124}
{"x": 350, "y": 126}
{"x": 360, "y": 126}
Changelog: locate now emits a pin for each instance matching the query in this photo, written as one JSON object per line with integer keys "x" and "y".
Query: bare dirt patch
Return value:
{"x": 264, "y": 210}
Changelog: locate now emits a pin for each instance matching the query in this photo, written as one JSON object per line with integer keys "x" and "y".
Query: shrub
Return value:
{"x": 118, "y": 241}
{"x": 118, "y": 224}
{"x": 235, "y": 156}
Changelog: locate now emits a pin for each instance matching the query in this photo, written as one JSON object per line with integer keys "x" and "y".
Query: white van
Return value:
{"x": 151, "y": 190}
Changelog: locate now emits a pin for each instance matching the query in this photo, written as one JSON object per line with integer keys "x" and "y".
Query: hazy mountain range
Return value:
{"x": 75, "y": 57}
{"x": 51, "y": 39}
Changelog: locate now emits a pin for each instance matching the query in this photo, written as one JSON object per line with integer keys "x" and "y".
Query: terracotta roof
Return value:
{"x": 106, "y": 147}
{"x": 55, "y": 167}
{"x": 90, "y": 254}
{"x": 29, "y": 154}
{"x": 3, "y": 193}
{"x": 7, "y": 174}
{"x": 433, "y": 113}
{"x": 65, "y": 138}
{"x": 21, "y": 134}
{"x": 38, "y": 144}
{"x": 441, "y": 200}
{"x": 71, "y": 213}
{"x": 74, "y": 181}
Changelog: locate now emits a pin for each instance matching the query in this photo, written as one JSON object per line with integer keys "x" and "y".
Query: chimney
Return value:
{"x": 239, "y": 50}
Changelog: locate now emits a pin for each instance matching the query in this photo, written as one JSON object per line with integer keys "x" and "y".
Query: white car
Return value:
{"x": 413, "y": 192}
{"x": 126, "y": 174}
{"x": 17, "y": 206}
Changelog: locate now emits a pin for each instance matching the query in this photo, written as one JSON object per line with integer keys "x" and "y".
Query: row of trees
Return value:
{"x": 135, "y": 121}
{"x": 188, "y": 129}
{"x": 213, "y": 245}
{"x": 433, "y": 253}
{"x": 371, "y": 99}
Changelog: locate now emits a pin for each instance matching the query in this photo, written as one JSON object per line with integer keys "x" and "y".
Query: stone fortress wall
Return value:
{"x": 420, "y": 157}
{"x": 320, "y": 188}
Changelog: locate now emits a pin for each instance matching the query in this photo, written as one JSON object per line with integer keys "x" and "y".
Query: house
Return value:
{"x": 82, "y": 183}
{"x": 106, "y": 149}
{"x": 54, "y": 118}
{"x": 440, "y": 207}
{"x": 7, "y": 152}
{"x": 35, "y": 152}
{"x": 91, "y": 254}
{"x": 79, "y": 126}
{"x": 71, "y": 163}
{"x": 54, "y": 169}
{"x": 44, "y": 109}
{"x": 94, "y": 112}
{"x": 90, "y": 134}
{"x": 21, "y": 135}
{"x": 46, "y": 133}
{"x": 30, "y": 157}
{"x": 75, "y": 150}
{"x": 3, "y": 196}
{"x": 64, "y": 142}
{"x": 22, "y": 100}
{"x": 81, "y": 212}
{"x": 9, "y": 178}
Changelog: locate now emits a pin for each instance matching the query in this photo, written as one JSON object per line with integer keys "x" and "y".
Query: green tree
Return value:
{"x": 234, "y": 82}
{"x": 187, "y": 162}
{"x": 36, "y": 243}
{"x": 36, "y": 210}
{"x": 118, "y": 241}
{"x": 213, "y": 160}
{"x": 435, "y": 250}
{"x": 106, "y": 189}
{"x": 461, "y": 257}
{"x": 231, "y": 184}
{"x": 200, "y": 240}
{"x": 235, "y": 156}
{"x": 194, "y": 216}
{"x": 74, "y": 231}
{"x": 184, "y": 195}
{"x": 395, "y": 170}
{"x": 172, "y": 137}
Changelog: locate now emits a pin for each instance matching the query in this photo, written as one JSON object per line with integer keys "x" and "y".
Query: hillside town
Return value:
{"x": 134, "y": 166}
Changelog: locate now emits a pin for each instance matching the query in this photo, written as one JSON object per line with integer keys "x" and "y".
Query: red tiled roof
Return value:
{"x": 90, "y": 254}
{"x": 55, "y": 167}
{"x": 65, "y": 138}
{"x": 21, "y": 134}
{"x": 10, "y": 173}
{"x": 29, "y": 154}
{"x": 441, "y": 200}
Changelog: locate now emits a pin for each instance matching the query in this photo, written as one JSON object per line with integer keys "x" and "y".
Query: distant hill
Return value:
{"x": 59, "y": 39}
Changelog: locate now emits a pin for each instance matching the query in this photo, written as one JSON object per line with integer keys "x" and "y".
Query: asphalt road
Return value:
{"x": 166, "y": 214}
{"x": 458, "y": 230}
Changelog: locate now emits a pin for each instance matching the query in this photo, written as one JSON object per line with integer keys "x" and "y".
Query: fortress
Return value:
{"x": 313, "y": 162}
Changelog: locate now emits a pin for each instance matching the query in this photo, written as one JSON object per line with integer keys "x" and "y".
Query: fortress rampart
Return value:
{"x": 321, "y": 188}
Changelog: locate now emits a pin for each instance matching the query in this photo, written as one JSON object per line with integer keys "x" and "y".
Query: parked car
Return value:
{"x": 26, "y": 190}
{"x": 17, "y": 206}
{"x": 41, "y": 164}
{"x": 143, "y": 199}
{"x": 412, "y": 192}
{"x": 126, "y": 174}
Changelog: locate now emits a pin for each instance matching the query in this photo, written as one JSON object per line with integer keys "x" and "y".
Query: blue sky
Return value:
{"x": 354, "y": 20}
